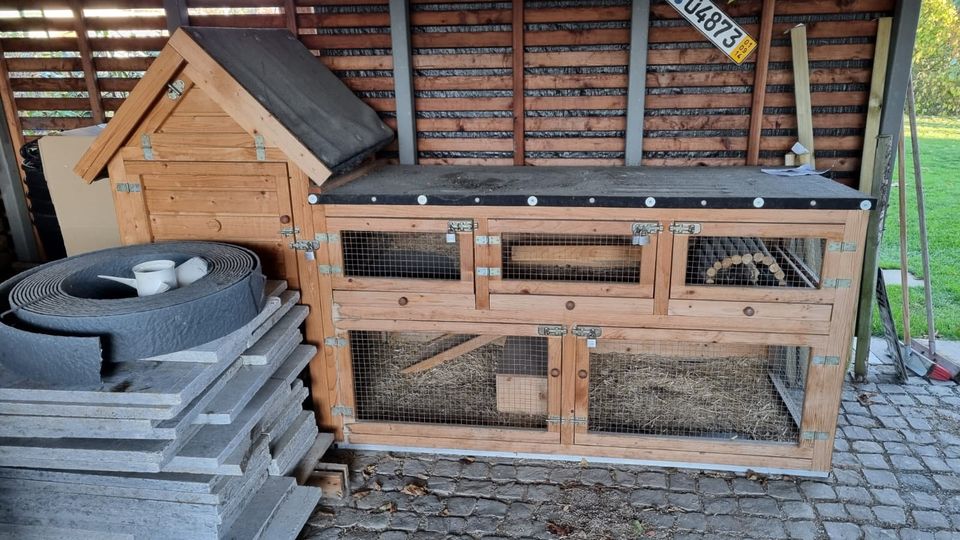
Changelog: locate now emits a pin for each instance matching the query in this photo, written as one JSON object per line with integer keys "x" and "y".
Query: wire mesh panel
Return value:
{"x": 380, "y": 254}
{"x": 737, "y": 261}
{"x": 719, "y": 391}
{"x": 454, "y": 379}
{"x": 570, "y": 257}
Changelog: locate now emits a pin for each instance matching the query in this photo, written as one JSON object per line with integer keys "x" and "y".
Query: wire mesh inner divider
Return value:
{"x": 400, "y": 255}
{"x": 738, "y": 261}
{"x": 716, "y": 391}
{"x": 450, "y": 379}
{"x": 570, "y": 257}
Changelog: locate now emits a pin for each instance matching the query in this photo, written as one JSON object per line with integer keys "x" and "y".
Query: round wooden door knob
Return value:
{"x": 403, "y": 301}
{"x": 284, "y": 219}
{"x": 554, "y": 372}
{"x": 749, "y": 311}
{"x": 570, "y": 304}
{"x": 214, "y": 225}
{"x": 582, "y": 374}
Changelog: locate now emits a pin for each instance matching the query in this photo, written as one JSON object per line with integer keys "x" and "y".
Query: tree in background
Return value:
{"x": 936, "y": 60}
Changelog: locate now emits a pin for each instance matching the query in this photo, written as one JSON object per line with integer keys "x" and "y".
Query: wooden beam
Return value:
{"x": 637, "y": 81}
{"x": 86, "y": 61}
{"x": 290, "y": 14}
{"x": 14, "y": 198}
{"x": 801, "y": 90}
{"x": 519, "y": 106}
{"x": 177, "y": 14}
{"x": 449, "y": 354}
{"x": 874, "y": 106}
{"x": 760, "y": 81}
{"x": 403, "y": 81}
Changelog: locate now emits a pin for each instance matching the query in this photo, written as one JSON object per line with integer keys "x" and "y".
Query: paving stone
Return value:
{"x": 692, "y": 521}
{"x": 759, "y": 506}
{"x": 832, "y": 510}
{"x": 726, "y": 505}
{"x": 510, "y": 492}
{"x": 857, "y": 433}
{"x": 888, "y": 496}
{"x": 490, "y": 507}
{"x": 861, "y": 421}
{"x": 802, "y": 530}
{"x": 841, "y": 445}
{"x": 348, "y": 517}
{"x": 917, "y": 481}
{"x": 930, "y": 519}
{"x": 596, "y": 476}
{"x": 460, "y": 506}
{"x": 542, "y": 492}
{"x": 648, "y": 498}
{"x": 564, "y": 476}
{"x": 405, "y": 521}
{"x": 744, "y": 486}
{"x": 374, "y": 521}
{"x": 873, "y": 461}
{"x": 516, "y": 527}
{"x": 527, "y": 473}
{"x": 652, "y": 480}
{"x": 426, "y": 504}
{"x": 444, "y": 467}
{"x": 475, "y": 470}
{"x": 798, "y": 510}
{"x": 860, "y": 512}
{"x": 783, "y": 490}
{"x": 867, "y": 447}
{"x": 923, "y": 500}
{"x": 713, "y": 486}
{"x": 818, "y": 491}
{"x": 851, "y": 494}
{"x": 890, "y": 515}
{"x": 442, "y": 486}
{"x": 913, "y": 534}
{"x": 896, "y": 448}
{"x": 331, "y": 533}
{"x": 765, "y": 528}
{"x": 880, "y": 478}
{"x": 393, "y": 535}
{"x": 689, "y": 502}
{"x": 906, "y": 463}
{"x": 415, "y": 467}
{"x": 624, "y": 478}
{"x": 520, "y": 510}
{"x": 681, "y": 481}
{"x": 842, "y": 531}
{"x": 935, "y": 464}
{"x": 479, "y": 525}
{"x": 949, "y": 483}
{"x": 872, "y": 532}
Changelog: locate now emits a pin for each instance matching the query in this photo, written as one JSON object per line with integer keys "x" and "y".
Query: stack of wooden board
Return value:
{"x": 193, "y": 444}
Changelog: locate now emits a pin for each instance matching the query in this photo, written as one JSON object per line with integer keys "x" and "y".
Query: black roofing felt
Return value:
{"x": 622, "y": 187}
{"x": 304, "y": 96}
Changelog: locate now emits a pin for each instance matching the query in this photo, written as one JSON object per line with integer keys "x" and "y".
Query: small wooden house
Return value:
{"x": 697, "y": 316}
{"x": 220, "y": 141}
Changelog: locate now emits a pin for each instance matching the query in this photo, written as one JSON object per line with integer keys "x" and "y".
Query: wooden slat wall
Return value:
{"x": 575, "y": 57}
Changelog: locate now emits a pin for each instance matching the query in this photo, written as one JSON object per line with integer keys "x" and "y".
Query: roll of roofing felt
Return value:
{"x": 64, "y": 302}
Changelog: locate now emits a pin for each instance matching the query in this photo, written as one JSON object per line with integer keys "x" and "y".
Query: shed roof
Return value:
{"x": 304, "y": 109}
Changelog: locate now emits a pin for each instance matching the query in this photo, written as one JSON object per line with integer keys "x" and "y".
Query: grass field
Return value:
{"x": 940, "y": 153}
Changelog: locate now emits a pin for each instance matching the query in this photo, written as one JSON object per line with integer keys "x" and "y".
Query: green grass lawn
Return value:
{"x": 940, "y": 152}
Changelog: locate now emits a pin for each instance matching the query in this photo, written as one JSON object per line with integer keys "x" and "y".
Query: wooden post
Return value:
{"x": 637, "y": 81}
{"x": 290, "y": 14}
{"x": 801, "y": 89}
{"x": 14, "y": 198}
{"x": 519, "y": 105}
{"x": 86, "y": 61}
{"x": 177, "y": 15}
{"x": 403, "y": 81}
{"x": 874, "y": 106}
{"x": 904, "y": 274}
{"x": 760, "y": 81}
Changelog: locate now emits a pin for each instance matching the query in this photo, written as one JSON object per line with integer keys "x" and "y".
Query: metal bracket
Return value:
{"x": 814, "y": 435}
{"x": 591, "y": 332}
{"x": 128, "y": 188}
{"x": 289, "y": 231}
{"x": 146, "y": 146}
{"x": 261, "y": 147}
{"x": 576, "y": 421}
{"x": 485, "y": 271}
{"x": 175, "y": 89}
{"x": 324, "y": 238}
{"x": 837, "y": 283}
{"x": 487, "y": 240}
{"x": 335, "y": 342}
{"x": 552, "y": 330}
{"x": 841, "y": 246}
{"x": 826, "y": 360}
{"x": 326, "y": 269}
{"x": 685, "y": 228}
{"x": 460, "y": 225}
{"x": 341, "y": 410}
{"x": 554, "y": 419}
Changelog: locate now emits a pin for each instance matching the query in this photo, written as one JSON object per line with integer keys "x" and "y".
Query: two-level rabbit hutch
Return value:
{"x": 697, "y": 316}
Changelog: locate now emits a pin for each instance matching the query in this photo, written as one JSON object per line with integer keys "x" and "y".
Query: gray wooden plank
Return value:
{"x": 637, "y": 81}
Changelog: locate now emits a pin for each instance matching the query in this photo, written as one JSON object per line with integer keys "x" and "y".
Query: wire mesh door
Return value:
{"x": 428, "y": 255}
{"x": 597, "y": 258}
{"x": 687, "y": 391}
{"x": 450, "y": 384}
{"x": 760, "y": 261}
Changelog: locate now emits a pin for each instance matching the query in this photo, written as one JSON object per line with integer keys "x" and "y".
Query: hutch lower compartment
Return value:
{"x": 695, "y": 331}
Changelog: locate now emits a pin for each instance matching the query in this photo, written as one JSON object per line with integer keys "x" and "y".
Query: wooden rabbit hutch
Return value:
{"x": 683, "y": 315}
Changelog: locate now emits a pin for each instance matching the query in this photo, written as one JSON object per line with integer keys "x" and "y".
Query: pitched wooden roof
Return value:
{"x": 270, "y": 84}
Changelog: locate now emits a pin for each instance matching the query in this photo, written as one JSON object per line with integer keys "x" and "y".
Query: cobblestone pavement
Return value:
{"x": 896, "y": 475}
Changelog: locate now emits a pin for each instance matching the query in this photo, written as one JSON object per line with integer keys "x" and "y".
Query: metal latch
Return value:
{"x": 175, "y": 89}
{"x": 826, "y": 360}
{"x": 554, "y": 419}
{"x": 335, "y": 342}
{"x": 837, "y": 283}
{"x": 841, "y": 246}
{"x": 305, "y": 245}
{"x": 577, "y": 420}
{"x": 815, "y": 435}
{"x": 643, "y": 230}
{"x": 261, "y": 147}
{"x": 146, "y": 146}
{"x": 289, "y": 231}
{"x": 685, "y": 228}
{"x": 552, "y": 330}
{"x": 482, "y": 240}
{"x": 485, "y": 271}
{"x": 341, "y": 410}
{"x": 465, "y": 225}
{"x": 327, "y": 237}
{"x": 128, "y": 188}
{"x": 326, "y": 269}
{"x": 592, "y": 332}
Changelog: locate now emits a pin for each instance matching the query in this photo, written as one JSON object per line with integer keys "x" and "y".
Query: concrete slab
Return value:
{"x": 892, "y": 277}
{"x": 295, "y": 363}
{"x": 288, "y": 520}
{"x": 39, "y": 532}
{"x": 287, "y": 300}
{"x": 278, "y": 421}
{"x": 290, "y": 448}
{"x": 254, "y": 519}
{"x": 288, "y": 325}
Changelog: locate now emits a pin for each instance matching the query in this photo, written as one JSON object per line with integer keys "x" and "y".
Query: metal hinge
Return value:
{"x": 261, "y": 147}
{"x": 128, "y": 188}
{"x": 592, "y": 332}
{"x": 552, "y": 330}
{"x": 485, "y": 240}
{"x": 685, "y": 228}
{"x": 324, "y": 238}
{"x": 465, "y": 225}
{"x": 289, "y": 231}
{"x": 826, "y": 360}
{"x": 146, "y": 146}
{"x": 335, "y": 342}
{"x": 326, "y": 269}
{"x": 485, "y": 271}
{"x": 836, "y": 283}
{"x": 814, "y": 435}
{"x": 841, "y": 246}
{"x": 341, "y": 410}
{"x": 554, "y": 419}
{"x": 576, "y": 420}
